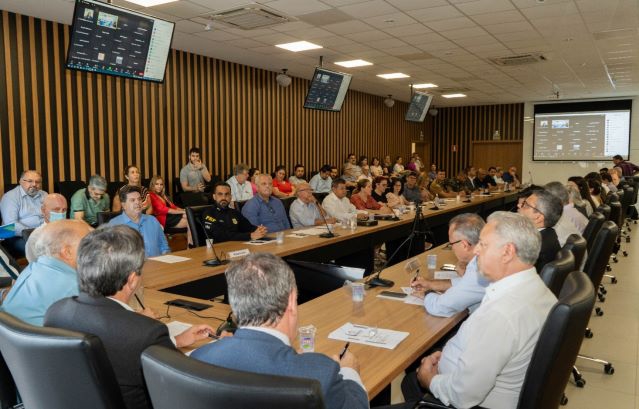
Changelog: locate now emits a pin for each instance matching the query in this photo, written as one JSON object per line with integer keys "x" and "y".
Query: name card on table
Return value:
{"x": 238, "y": 253}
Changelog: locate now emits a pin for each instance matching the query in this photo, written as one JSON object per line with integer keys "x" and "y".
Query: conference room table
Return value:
{"x": 378, "y": 366}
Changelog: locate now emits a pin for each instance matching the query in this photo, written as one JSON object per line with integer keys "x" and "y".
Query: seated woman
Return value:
{"x": 133, "y": 177}
{"x": 395, "y": 198}
{"x": 253, "y": 173}
{"x": 376, "y": 168}
{"x": 398, "y": 168}
{"x": 282, "y": 188}
{"x": 362, "y": 198}
{"x": 381, "y": 186}
{"x": 167, "y": 213}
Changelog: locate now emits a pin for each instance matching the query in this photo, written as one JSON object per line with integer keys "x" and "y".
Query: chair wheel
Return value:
{"x": 588, "y": 333}
{"x": 609, "y": 369}
{"x": 581, "y": 382}
{"x": 599, "y": 312}
{"x": 608, "y": 268}
{"x": 602, "y": 290}
{"x": 613, "y": 280}
{"x": 627, "y": 239}
{"x": 602, "y": 298}
{"x": 625, "y": 253}
{"x": 563, "y": 401}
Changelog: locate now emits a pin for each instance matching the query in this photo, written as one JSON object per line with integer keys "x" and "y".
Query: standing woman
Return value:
{"x": 282, "y": 188}
{"x": 133, "y": 177}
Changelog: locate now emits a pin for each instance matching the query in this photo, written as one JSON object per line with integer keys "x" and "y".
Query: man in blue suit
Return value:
{"x": 263, "y": 296}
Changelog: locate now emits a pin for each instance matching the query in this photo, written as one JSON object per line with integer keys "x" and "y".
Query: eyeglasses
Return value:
{"x": 450, "y": 245}
{"x": 526, "y": 204}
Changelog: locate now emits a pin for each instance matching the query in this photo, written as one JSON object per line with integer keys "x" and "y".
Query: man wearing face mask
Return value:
{"x": 54, "y": 208}
{"x": 23, "y": 206}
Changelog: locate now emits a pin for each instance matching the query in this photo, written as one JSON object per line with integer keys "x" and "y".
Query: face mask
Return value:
{"x": 55, "y": 216}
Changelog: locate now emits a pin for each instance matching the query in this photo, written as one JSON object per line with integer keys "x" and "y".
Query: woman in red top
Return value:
{"x": 282, "y": 188}
{"x": 167, "y": 213}
{"x": 362, "y": 198}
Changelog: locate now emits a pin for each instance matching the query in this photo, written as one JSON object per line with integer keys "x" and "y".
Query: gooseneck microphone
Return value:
{"x": 215, "y": 261}
{"x": 329, "y": 234}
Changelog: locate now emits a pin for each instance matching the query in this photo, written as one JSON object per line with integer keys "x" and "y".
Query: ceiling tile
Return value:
{"x": 365, "y": 36}
{"x": 182, "y": 9}
{"x": 509, "y": 27}
{"x": 188, "y": 26}
{"x": 451, "y": 24}
{"x": 485, "y": 6}
{"x": 347, "y": 27}
{"x": 389, "y": 44}
{"x": 390, "y": 20}
{"x": 369, "y": 9}
{"x": 297, "y": 8}
{"x": 407, "y": 30}
{"x": 435, "y": 13}
{"x": 499, "y": 17}
{"x": 464, "y": 33}
{"x": 407, "y": 5}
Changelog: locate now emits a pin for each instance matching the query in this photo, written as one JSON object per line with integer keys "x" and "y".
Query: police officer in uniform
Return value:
{"x": 223, "y": 223}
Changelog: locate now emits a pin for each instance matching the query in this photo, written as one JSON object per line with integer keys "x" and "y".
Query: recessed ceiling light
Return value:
{"x": 454, "y": 95}
{"x": 353, "y": 63}
{"x": 422, "y": 86}
{"x": 150, "y": 3}
{"x": 299, "y": 46}
{"x": 393, "y": 76}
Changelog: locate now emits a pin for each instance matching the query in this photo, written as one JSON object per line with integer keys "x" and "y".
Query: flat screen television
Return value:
{"x": 419, "y": 104}
{"x": 582, "y": 131}
{"x": 112, "y": 40}
{"x": 327, "y": 90}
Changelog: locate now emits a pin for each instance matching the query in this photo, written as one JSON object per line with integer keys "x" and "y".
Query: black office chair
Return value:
{"x": 67, "y": 188}
{"x": 105, "y": 217}
{"x": 287, "y": 202}
{"x": 194, "y": 218}
{"x": 555, "y": 272}
{"x": 240, "y": 204}
{"x": 605, "y": 210}
{"x": 320, "y": 196}
{"x": 146, "y": 182}
{"x": 595, "y": 221}
{"x": 191, "y": 199}
{"x": 113, "y": 188}
{"x": 58, "y": 369}
{"x": 627, "y": 201}
{"x": 177, "y": 381}
{"x": 556, "y": 350}
{"x": 577, "y": 246}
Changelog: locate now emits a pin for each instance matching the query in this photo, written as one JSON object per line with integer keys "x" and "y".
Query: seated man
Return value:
{"x": 565, "y": 226}
{"x": 445, "y": 298}
{"x": 437, "y": 187}
{"x": 412, "y": 191}
{"x": 337, "y": 204}
{"x": 110, "y": 263}
{"x": 298, "y": 175}
{"x": 485, "y": 363}
{"x": 305, "y": 211}
{"x": 511, "y": 177}
{"x": 241, "y": 189}
{"x": 54, "y": 208}
{"x": 149, "y": 227}
{"x": 321, "y": 183}
{"x": 471, "y": 178}
{"x": 543, "y": 209}
{"x": 351, "y": 170}
{"x": 88, "y": 202}
{"x": 268, "y": 325}
{"x": 52, "y": 276}
{"x": 223, "y": 223}
{"x": 334, "y": 173}
{"x": 22, "y": 205}
{"x": 194, "y": 175}
{"x": 485, "y": 181}
{"x": 264, "y": 209}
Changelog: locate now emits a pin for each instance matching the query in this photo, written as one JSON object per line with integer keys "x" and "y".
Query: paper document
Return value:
{"x": 411, "y": 299}
{"x": 445, "y": 275}
{"x": 313, "y": 231}
{"x": 363, "y": 334}
{"x": 177, "y": 327}
{"x": 169, "y": 258}
{"x": 259, "y": 242}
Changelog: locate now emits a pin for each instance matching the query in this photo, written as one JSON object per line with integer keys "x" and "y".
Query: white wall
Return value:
{"x": 544, "y": 172}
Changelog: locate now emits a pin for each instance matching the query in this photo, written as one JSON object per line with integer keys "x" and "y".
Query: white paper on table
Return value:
{"x": 411, "y": 299}
{"x": 445, "y": 275}
{"x": 169, "y": 258}
{"x": 259, "y": 242}
{"x": 313, "y": 231}
{"x": 362, "y": 334}
{"x": 297, "y": 235}
{"x": 177, "y": 327}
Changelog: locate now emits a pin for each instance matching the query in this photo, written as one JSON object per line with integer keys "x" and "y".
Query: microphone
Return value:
{"x": 213, "y": 262}
{"x": 329, "y": 234}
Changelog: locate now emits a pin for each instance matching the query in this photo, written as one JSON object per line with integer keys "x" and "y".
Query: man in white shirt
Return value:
{"x": 445, "y": 298}
{"x": 486, "y": 361}
{"x": 305, "y": 211}
{"x": 240, "y": 186}
{"x": 565, "y": 226}
{"x": 321, "y": 182}
{"x": 298, "y": 175}
{"x": 337, "y": 204}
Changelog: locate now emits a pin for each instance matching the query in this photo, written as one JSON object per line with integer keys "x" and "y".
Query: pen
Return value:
{"x": 139, "y": 302}
{"x": 415, "y": 276}
{"x": 341, "y": 354}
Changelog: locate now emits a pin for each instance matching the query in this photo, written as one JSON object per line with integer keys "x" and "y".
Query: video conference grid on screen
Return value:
{"x": 419, "y": 104}
{"x": 111, "y": 40}
{"x": 582, "y": 135}
{"x": 327, "y": 90}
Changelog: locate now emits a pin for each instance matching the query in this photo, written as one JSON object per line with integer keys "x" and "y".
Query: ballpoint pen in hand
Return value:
{"x": 341, "y": 354}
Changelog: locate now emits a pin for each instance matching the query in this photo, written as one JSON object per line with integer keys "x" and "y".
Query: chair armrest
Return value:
{"x": 429, "y": 401}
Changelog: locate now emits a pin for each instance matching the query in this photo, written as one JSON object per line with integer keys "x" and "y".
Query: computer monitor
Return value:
{"x": 419, "y": 104}
{"x": 327, "y": 90}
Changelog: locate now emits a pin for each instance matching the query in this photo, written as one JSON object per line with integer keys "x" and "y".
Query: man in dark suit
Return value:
{"x": 544, "y": 209}
{"x": 263, "y": 296}
{"x": 110, "y": 260}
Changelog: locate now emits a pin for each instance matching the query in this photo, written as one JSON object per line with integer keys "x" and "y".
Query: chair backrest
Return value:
{"x": 112, "y": 189}
{"x": 577, "y": 245}
{"x": 177, "y": 381}
{"x": 287, "y": 202}
{"x": 612, "y": 197}
{"x": 320, "y": 196}
{"x": 595, "y": 221}
{"x": 194, "y": 218}
{"x": 189, "y": 199}
{"x": 615, "y": 213}
{"x": 105, "y": 217}
{"x": 605, "y": 210}
{"x": 8, "y": 390}
{"x": 58, "y": 369}
{"x": 627, "y": 200}
{"x": 67, "y": 188}
{"x": 558, "y": 345}
{"x": 555, "y": 272}
{"x": 599, "y": 253}
{"x": 240, "y": 204}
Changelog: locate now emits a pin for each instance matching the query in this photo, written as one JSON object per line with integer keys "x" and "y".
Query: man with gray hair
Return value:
{"x": 110, "y": 261}
{"x": 267, "y": 322}
{"x": 543, "y": 209}
{"x": 52, "y": 276}
{"x": 485, "y": 363}
{"x": 445, "y": 298}
{"x": 565, "y": 225}
{"x": 54, "y": 208}
{"x": 241, "y": 189}
{"x": 88, "y": 202}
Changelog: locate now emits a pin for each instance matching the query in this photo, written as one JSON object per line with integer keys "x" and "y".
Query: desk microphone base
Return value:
{"x": 380, "y": 282}
{"x": 214, "y": 262}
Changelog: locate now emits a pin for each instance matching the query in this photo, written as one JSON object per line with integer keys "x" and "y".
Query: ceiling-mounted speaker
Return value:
{"x": 433, "y": 112}
{"x": 389, "y": 101}
{"x": 283, "y": 80}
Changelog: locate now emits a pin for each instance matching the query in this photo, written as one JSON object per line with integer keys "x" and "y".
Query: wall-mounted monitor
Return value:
{"x": 582, "y": 131}
{"x": 327, "y": 90}
{"x": 108, "y": 39}
{"x": 418, "y": 108}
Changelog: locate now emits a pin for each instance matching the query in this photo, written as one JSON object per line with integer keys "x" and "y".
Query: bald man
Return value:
{"x": 54, "y": 208}
{"x": 52, "y": 276}
{"x": 305, "y": 211}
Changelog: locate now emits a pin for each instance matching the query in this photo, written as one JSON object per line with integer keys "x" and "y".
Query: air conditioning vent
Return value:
{"x": 521, "y": 59}
{"x": 250, "y": 17}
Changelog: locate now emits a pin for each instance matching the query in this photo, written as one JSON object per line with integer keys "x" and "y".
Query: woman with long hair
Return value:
{"x": 133, "y": 177}
{"x": 282, "y": 188}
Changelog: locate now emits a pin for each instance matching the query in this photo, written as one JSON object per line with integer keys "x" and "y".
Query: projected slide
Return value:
{"x": 573, "y": 136}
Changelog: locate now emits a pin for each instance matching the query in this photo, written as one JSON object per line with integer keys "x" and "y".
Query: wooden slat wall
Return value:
{"x": 69, "y": 124}
{"x": 460, "y": 125}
